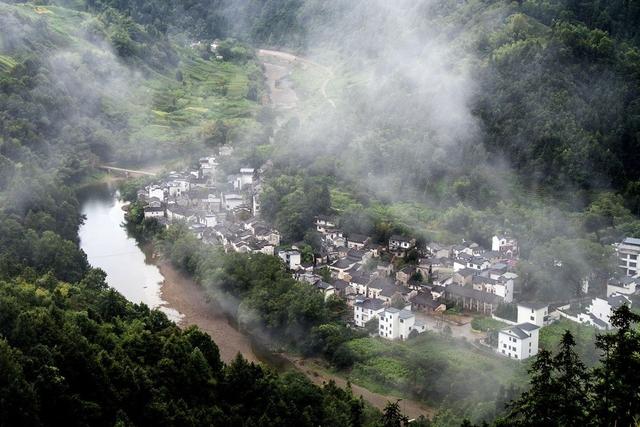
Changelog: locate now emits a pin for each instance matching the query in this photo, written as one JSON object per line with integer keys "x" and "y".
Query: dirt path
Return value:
{"x": 187, "y": 297}
{"x": 290, "y": 58}
{"x": 410, "y": 408}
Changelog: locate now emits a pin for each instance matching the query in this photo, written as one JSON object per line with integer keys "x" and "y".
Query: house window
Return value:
{"x": 504, "y": 345}
{"x": 531, "y": 318}
{"x": 515, "y": 355}
{"x": 634, "y": 257}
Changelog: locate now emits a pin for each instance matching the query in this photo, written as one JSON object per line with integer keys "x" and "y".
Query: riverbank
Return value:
{"x": 184, "y": 295}
{"x": 181, "y": 293}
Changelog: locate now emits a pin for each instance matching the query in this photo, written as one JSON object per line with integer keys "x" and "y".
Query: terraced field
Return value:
{"x": 169, "y": 108}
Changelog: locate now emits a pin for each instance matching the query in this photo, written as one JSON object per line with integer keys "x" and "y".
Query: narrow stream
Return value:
{"x": 108, "y": 246}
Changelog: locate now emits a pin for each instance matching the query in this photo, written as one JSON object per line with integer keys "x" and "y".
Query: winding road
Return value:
{"x": 291, "y": 58}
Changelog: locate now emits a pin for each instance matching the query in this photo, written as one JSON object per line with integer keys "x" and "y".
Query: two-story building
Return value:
{"x": 366, "y": 309}
{"x": 536, "y": 313}
{"x": 396, "y": 324}
{"x": 519, "y": 341}
{"x": 505, "y": 244}
{"x": 292, "y": 258}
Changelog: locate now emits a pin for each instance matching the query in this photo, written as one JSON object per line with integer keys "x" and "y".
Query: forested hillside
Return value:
{"x": 551, "y": 89}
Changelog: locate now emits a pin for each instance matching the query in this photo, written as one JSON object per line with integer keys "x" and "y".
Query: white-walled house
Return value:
{"x": 291, "y": 258}
{"x": 501, "y": 287}
{"x": 244, "y": 178}
{"x": 153, "y": 212}
{"x": 156, "y": 191}
{"x": 357, "y": 241}
{"x": 210, "y": 220}
{"x": 232, "y": 201}
{"x": 625, "y": 285}
{"x": 366, "y": 309}
{"x": 504, "y": 244}
{"x": 401, "y": 243}
{"x": 396, "y": 324}
{"x": 628, "y": 252}
{"x": 478, "y": 263}
{"x": 519, "y": 341}
{"x": 600, "y": 310}
{"x": 533, "y": 312}
{"x": 324, "y": 224}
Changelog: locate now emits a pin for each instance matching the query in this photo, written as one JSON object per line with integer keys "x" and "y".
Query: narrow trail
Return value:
{"x": 128, "y": 171}
{"x": 411, "y": 408}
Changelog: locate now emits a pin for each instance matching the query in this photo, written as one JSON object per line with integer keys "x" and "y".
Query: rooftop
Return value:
{"x": 631, "y": 241}
{"x": 357, "y": 238}
{"x": 533, "y": 305}
{"x": 469, "y": 292}
{"x": 406, "y": 314}
{"x": 521, "y": 330}
{"x": 371, "y": 304}
{"x": 399, "y": 238}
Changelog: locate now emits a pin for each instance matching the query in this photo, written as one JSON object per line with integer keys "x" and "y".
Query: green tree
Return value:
{"x": 570, "y": 385}
{"x": 617, "y": 379}
{"x": 537, "y": 406}
{"x": 392, "y": 416}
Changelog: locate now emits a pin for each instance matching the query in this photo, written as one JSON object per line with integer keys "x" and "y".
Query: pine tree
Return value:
{"x": 570, "y": 385}
{"x": 618, "y": 378}
{"x": 393, "y": 417}
{"x": 535, "y": 407}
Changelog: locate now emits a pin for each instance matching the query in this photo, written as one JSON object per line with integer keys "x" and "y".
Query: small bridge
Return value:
{"x": 125, "y": 172}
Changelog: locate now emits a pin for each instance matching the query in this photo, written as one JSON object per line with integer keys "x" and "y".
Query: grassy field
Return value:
{"x": 439, "y": 371}
{"x": 485, "y": 324}
{"x": 585, "y": 337}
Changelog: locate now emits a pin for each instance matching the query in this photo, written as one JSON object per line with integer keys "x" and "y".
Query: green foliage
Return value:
{"x": 392, "y": 416}
{"x": 440, "y": 371}
{"x": 84, "y": 350}
{"x": 485, "y": 324}
{"x": 268, "y": 299}
{"x": 564, "y": 393}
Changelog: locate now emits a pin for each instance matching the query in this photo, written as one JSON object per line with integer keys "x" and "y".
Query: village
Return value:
{"x": 396, "y": 290}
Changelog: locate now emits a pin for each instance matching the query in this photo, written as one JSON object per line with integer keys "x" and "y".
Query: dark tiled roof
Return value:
{"x": 357, "y": 238}
{"x": 340, "y": 284}
{"x": 469, "y": 292}
{"x": 533, "y": 305}
{"x": 342, "y": 263}
{"x": 371, "y": 304}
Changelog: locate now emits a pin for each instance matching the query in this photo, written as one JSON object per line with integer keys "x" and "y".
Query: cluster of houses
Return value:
{"x": 365, "y": 274}
{"x": 216, "y": 210}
